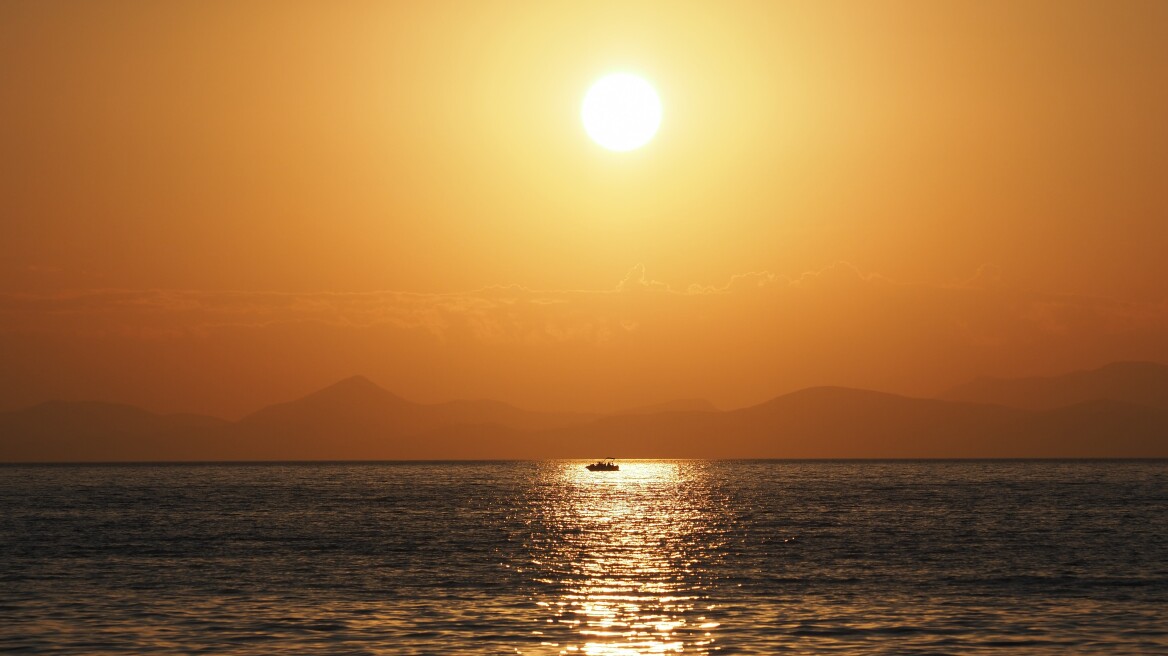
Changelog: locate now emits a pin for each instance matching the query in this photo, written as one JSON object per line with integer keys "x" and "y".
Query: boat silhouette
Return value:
{"x": 607, "y": 464}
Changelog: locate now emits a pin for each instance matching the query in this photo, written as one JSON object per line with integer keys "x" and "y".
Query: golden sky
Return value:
{"x": 210, "y": 206}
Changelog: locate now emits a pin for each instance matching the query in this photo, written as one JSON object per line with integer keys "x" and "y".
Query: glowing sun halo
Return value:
{"x": 621, "y": 112}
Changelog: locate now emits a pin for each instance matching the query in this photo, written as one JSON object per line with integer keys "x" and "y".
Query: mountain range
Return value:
{"x": 1120, "y": 410}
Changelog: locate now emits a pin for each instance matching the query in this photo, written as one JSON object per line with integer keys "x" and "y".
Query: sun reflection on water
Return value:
{"x": 620, "y": 559}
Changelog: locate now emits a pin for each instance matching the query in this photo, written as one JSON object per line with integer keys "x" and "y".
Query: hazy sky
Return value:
{"x": 213, "y": 205}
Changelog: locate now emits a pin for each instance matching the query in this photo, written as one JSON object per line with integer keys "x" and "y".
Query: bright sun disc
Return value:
{"x": 621, "y": 112}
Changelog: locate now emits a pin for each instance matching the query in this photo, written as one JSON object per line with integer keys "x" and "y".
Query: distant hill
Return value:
{"x": 824, "y": 422}
{"x": 1141, "y": 383}
{"x": 92, "y": 431}
{"x": 680, "y": 405}
{"x": 358, "y": 402}
{"x": 357, "y": 420}
{"x": 1094, "y": 429}
{"x": 352, "y": 419}
{"x": 833, "y": 422}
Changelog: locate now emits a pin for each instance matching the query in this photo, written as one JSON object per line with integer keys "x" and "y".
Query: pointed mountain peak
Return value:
{"x": 355, "y": 394}
{"x": 353, "y": 387}
{"x": 356, "y": 382}
{"x": 357, "y": 390}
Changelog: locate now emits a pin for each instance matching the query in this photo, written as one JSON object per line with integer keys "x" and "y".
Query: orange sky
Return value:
{"x": 213, "y": 206}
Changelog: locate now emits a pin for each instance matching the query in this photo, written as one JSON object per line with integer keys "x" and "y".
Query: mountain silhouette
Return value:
{"x": 354, "y": 406}
{"x": 823, "y": 422}
{"x": 679, "y": 405}
{"x": 355, "y": 419}
{"x": 1142, "y": 383}
{"x": 94, "y": 431}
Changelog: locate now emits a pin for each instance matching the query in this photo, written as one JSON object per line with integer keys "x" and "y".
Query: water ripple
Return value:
{"x": 547, "y": 558}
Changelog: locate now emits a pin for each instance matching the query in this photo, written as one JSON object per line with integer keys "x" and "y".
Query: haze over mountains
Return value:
{"x": 1120, "y": 410}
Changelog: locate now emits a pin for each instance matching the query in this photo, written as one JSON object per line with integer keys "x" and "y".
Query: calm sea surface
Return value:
{"x": 546, "y": 557}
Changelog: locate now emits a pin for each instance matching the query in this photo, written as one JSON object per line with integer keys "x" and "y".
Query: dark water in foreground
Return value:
{"x": 546, "y": 558}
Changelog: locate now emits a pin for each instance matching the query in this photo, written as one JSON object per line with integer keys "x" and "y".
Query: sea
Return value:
{"x": 546, "y": 557}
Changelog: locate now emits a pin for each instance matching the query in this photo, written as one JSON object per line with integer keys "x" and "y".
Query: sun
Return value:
{"x": 621, "y": 112}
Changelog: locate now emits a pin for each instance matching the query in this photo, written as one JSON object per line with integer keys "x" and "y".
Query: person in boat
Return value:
{"x": 608, "y": 464}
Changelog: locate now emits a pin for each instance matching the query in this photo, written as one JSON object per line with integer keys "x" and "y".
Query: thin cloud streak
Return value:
{"x": 757, "y": 335}
{"x": 516, "y": 311}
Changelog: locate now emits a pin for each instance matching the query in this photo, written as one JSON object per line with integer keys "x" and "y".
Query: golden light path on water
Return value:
{"x": 622, "y": 556}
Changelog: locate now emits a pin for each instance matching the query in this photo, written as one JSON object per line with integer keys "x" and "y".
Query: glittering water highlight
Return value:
{"x": 686, "y": 557}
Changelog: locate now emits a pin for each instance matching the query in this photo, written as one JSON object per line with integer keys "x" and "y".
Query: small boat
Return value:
{"x": 607, "y": 464}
